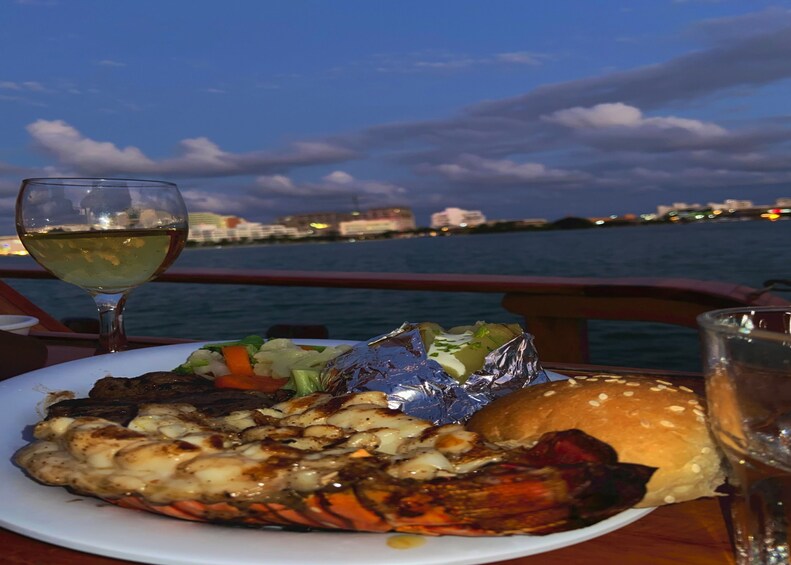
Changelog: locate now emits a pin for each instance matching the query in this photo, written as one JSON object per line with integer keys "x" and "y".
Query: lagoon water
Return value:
{"x": 747, "y": 253}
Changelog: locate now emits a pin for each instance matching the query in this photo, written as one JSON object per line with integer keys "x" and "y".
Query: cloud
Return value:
{"x": 110, "y": 63}
{"x": 641, "y": 129}
{"x": 16, "y": 173}
{"x": 752, "y": 62}
{"x": 68, "y": 145}
{"x": 520, "y": 58}
{"x": 734, "y": 28}
{"x": 448, "y": 64}
{"x": 199, "y": 157}
{"x": 204, "y": 201}
{"x": 24, "y": 92}
{"x": 622, "y": 115}
{"x": 7, "y": 205}
{"x": 29, "y": 86}
{"x": 700, "y": 177}
{"x": 601, "y": 115}
{"x": 335, "y": 184}
{"x": 276, "y": 184}
{"x": 442, "y": 61}
{"x": 604, "y": 128}
{"x": 475, "y": 169}
{"x": 339, "y": 177}
{"x": 225, "y": 200}
{"x": 8, "y": 193}
{"x": 8, "y": 188}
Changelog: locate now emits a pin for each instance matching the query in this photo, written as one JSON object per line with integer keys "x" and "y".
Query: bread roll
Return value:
{"x": 647, "y": 421}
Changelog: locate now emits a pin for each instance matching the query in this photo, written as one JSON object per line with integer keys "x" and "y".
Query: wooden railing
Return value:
{"x": 556, "y": 310}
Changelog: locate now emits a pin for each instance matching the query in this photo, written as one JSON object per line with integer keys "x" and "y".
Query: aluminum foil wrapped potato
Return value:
{"x": 439, "y": 375}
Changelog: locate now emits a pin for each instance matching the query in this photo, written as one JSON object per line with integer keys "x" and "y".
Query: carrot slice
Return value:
{"x": 237, "y": 360}
{"x": 249, "y": 382}
{"x": 270, "y": 384}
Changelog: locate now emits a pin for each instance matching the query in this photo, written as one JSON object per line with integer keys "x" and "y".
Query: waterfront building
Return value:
{"x": 731, "y": 205}
{"x": 457, "y": 218}
{"x": 402, "y": 219}
{"x": 255, "y": 230}
{"x": 203, "y": 233}
{"x": 11, "y": 245}
{"x": 239, "y": 231}
{"x": 356, "y": 228}
{"x": 315, "y": 223}
{"x": 326, "y": 223}
{"x": 663, "y": 210}
{"x": 208, "y": 227}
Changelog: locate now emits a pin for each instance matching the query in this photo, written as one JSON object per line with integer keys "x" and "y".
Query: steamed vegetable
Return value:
{"x": 250, "y": 382}
{"x": 303, "y": 365}
{"x": 209, "y": 360}
{"x": 255, "y": 364}
{"x": 237, "y": 359}
{"x": 252, "y": 342}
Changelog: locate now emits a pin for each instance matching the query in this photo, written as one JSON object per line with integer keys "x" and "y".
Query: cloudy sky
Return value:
{"x": 521, "y": 109}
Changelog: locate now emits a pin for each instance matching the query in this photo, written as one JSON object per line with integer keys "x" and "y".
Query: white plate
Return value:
{"x": 54, "y": 515}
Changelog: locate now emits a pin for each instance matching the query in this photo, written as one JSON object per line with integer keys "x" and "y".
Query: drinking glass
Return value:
{"x": 104, "y": 235}
{"x": 747, "y": 366}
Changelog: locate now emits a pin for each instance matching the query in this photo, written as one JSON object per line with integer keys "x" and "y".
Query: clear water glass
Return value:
{"x": 106, "y": 236}
{"x": 747, "y": 366}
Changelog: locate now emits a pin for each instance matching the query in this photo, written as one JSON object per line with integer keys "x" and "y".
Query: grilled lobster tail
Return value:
{"x": 566, "y": 481}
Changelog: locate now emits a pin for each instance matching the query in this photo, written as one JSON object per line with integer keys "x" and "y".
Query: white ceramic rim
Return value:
{"x": 54, "y": 515}
{"x": 21, "y": 322}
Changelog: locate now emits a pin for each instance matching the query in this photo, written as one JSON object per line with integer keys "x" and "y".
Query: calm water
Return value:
{"x": 744, "y": 253}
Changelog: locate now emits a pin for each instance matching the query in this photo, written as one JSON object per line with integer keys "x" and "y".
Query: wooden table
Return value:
{"x": 691, "y": 532}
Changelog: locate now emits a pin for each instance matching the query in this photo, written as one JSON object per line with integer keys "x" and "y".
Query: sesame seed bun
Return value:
{"x": 647, "y": 421}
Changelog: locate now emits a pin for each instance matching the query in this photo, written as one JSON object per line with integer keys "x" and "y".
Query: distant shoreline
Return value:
{"x": 569, "y": 223}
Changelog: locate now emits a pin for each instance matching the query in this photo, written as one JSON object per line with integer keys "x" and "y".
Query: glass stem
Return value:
{"x": 112, "y": 336}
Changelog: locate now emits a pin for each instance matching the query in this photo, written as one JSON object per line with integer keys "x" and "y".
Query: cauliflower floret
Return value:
{"x": 207, "y": 363}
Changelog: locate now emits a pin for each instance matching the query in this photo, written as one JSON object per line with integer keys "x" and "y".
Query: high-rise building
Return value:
{"x": 321, "y": 223}
{"x": 661, "y": 210}
{"x": 368, "y": 227}
{"x": 731, "y": 204}
{"x": 457, "y": 218}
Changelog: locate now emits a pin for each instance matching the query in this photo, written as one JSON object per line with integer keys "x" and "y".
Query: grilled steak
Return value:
{"x": 157, "y": 385}
{"x": 118, "y": 399}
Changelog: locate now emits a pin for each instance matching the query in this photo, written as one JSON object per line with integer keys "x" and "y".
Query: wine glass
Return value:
{"x": 106, "y": 236}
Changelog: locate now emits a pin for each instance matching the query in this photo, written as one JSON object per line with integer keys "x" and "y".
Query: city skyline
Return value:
{"x": 658, "y": 210}
{"x": 518, "y": 109}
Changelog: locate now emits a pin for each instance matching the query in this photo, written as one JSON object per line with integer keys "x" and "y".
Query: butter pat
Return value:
{"x": 445, "y": 350}
{"x": 462, "y": 350}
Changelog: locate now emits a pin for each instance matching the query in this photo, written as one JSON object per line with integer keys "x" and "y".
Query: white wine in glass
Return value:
{"x": 106, "y": 236}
